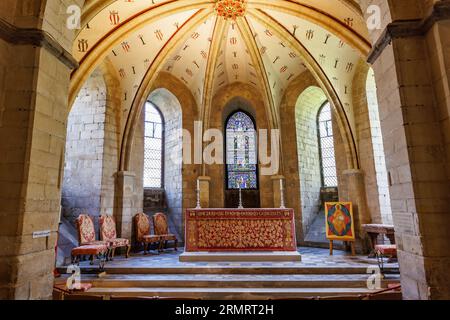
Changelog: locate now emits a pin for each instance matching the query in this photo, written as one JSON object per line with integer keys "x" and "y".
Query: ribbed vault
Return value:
{"x": 266, "y": 48}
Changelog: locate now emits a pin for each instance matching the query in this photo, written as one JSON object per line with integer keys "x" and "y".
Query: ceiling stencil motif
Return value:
{"x": 248, "y": 33}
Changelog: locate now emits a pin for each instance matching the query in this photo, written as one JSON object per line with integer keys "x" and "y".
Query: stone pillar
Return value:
{"x": 353, "y": 190}
{"x": 204, "y": 182}
{"x": 126, "y": 206}
{"x": 411, "y": 69}
{"x": 34, "y": 80}
{"x": 277, "y": 191}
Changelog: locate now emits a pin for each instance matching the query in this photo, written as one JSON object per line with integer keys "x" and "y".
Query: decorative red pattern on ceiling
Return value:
{"x": 231, "y": 9}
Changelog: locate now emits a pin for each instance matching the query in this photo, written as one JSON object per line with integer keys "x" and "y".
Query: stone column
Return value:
{"x": 126, "y": 206}
{"x": 34, "y": 80}
{"x": 277, "y": 191}
{"x": 353, "y": 190}
{"x": 411, "y": 68}
{"x": 204, "y": 182}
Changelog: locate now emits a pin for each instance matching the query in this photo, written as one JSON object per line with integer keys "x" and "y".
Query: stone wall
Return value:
{"x": 170, "y": 108}
{"x": 308, "y": 105}
{"x": 180, "y": 110}
{"x": 385, "y": 211}
{"x": 83, "y": 171}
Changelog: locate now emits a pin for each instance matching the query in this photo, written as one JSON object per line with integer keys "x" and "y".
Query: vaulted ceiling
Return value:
{"x": 267, "y": 47}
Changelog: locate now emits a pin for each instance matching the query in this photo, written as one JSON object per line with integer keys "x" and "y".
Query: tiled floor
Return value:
{"x": 311, "y": 257}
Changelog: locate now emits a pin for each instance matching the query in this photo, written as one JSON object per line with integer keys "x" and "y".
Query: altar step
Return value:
{"x": 231, "y": 269}
{"x": 233, "y": 281}
{"x": 230, "y": 286}
{"x": 229, "y": 293}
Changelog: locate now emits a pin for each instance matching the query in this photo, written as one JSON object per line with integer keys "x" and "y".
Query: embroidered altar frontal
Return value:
{"x": 240, "y": 230}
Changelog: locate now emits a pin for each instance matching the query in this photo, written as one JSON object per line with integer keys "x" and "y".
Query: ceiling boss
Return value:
{"x": 231, "y": 9}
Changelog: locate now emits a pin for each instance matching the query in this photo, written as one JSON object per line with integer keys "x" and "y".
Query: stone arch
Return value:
{"x": 172, "y": 114}
{"x": 165, "y": 90}
{"x": 232, "y": 97}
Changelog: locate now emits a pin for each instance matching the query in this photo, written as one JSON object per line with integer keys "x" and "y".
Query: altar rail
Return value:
{"x": 240, "y": 230}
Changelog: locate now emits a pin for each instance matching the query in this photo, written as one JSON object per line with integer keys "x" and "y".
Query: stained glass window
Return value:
{"x": 153, "y": 147}
{"x": 241, "y": 154}
{"x": 326, "y": 140}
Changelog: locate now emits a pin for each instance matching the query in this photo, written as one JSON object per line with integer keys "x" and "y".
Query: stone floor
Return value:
{"x": 314, "y": 257}
{"x": 318, "y": 274}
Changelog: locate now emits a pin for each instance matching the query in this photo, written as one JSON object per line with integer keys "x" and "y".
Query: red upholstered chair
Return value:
{"x": 162, "y": 229}
{"x": 100, "y": 250}
{"x": 86, "y": 231}
{"x": 142, "y": 224}
{"x": 385, "y": 251}
{"x": 86, "y": 237}
{"x": 108, "y": 233}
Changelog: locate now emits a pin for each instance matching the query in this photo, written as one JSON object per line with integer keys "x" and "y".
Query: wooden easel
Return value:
{"x": 352, "y": 245}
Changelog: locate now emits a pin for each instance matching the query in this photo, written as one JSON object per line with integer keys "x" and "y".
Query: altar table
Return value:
{"x": 218, "y": 230}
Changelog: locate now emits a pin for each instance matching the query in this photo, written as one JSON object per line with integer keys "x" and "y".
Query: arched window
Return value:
{"x": 241, "y": 151}
{"x": 326, "y": 145}
{"x": 153, "y": 156}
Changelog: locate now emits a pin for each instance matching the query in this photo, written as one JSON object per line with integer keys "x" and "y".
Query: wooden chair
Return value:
{"x": 162, "y": 229}
{"x": 385, "y": 251}
{"x": 143, "y": 236}
{"x": 108, "y": 233}
{"x": 88, "y": 244}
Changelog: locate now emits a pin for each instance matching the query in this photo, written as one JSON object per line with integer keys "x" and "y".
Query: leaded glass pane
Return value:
{"x": 327, "y": 147}
{"x": 152, "y": 147}
{"x": 241, "y": 152}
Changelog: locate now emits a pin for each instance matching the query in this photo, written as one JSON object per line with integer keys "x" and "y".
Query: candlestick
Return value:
{"x": 198, "y": 195}
{"x": 240, "y": 199}
{"x": 282, "y": 205}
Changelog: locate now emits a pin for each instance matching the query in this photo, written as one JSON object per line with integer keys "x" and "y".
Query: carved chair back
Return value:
{"x": 142, "y": 224}
{"x": 108, "y": 230}
{"x": 86, "y": 229}
{"x": 160, "y": 224}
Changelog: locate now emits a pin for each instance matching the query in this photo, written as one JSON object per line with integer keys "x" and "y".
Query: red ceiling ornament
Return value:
{"x": 231, "y": 9}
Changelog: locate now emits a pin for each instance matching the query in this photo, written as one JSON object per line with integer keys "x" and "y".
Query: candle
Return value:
{"x": 281, "y": 184}
{"x": 198, "y": 184}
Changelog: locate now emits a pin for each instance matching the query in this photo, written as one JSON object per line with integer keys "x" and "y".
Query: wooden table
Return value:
{"x": 217, "y": 230}
{"x": 374, "y": 230}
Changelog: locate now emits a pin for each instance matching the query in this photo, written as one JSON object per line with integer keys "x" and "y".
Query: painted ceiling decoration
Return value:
{"x": 231, "y": 9}
{"x": 237, "y": 41}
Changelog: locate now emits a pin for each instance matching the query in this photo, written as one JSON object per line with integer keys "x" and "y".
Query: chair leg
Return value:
{"x": 145, "y": 248}
{"x": 102, "y": 261}
{"x": 92, "y": 260}
{"x": 176, "y": 244}
{"x": 113, "y": 253}
{"x": 127, "y": 255}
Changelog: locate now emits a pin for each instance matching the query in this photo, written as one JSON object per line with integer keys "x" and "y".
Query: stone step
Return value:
{"x": 235, "y": 281}
{"x": 272, "y": 256}
{"x": 227, "y": 293}
{"x": 232, "y": 269}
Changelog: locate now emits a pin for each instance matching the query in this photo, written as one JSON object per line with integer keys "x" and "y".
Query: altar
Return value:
{"x": 240, "y": 235}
